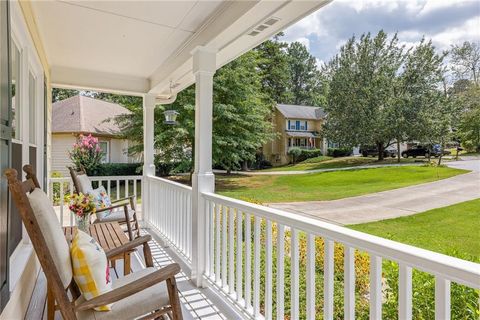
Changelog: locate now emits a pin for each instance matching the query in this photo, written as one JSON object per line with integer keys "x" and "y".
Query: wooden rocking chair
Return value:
{"x": 121, "y": 211}
{"x": 146, "y": 294}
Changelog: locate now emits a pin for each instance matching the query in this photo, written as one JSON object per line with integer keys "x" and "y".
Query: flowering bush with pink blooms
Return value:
{"x": 86, "y": 154}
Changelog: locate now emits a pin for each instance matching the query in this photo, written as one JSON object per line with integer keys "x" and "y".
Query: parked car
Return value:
{"x": 373, "y": 151}
{"x": 424, "y": 151}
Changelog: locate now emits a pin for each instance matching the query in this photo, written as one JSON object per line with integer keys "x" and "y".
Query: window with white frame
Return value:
{"x": 104, "y": 147}
{"x": 15, "y": 92}
{"x": 32, "y": 106}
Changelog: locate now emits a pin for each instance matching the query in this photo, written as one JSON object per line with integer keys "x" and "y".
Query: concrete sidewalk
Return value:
{"x": 392, "y": 203}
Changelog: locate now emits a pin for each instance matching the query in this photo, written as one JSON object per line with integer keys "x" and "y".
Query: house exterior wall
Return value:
{"x": 28, "y": 270}
{"x": 276, "y": 150}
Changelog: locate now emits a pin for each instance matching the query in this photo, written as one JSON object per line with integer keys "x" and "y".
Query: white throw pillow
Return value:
{"x": 90, "y": 267}
{"x": 85, "y": 184}
{"x": 52, "y": 232}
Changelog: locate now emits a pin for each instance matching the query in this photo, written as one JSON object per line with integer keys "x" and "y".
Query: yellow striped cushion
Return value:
{"x": 90, "y": 267}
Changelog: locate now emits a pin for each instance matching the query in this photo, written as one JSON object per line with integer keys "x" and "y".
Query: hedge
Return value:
{"x": 339, "y": 152}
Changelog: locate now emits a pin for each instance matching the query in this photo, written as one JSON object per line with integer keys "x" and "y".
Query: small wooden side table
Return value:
{"x": 110, "y": 236}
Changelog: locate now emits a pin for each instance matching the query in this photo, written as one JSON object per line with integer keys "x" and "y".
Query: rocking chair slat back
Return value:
{"x": 19, "y": 192}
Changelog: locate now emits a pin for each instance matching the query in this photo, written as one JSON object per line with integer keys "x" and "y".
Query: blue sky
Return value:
{"x": 445, "y": 22}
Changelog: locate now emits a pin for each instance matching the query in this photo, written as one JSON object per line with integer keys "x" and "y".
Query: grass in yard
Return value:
{"x": 327, "y": 185}
{"x": 452, "y": 230}
{"x": 323, "y": 162}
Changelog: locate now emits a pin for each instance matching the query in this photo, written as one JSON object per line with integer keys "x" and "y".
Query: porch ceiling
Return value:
{"x": 138, "y": 47}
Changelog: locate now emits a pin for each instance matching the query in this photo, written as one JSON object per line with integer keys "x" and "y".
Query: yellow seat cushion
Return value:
{"x": 90, "y": 267}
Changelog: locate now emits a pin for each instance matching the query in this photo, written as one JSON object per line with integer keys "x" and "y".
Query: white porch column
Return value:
{"x": 204, "y": 66}
{"x": 148, "y": 152}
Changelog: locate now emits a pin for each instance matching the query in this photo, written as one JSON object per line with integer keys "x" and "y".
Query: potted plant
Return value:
{"x": 82, "y": 206}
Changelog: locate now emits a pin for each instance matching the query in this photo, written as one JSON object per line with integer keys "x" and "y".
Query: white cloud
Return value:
{"x": 304, "y": 41}
{"x": 446, "y": 22}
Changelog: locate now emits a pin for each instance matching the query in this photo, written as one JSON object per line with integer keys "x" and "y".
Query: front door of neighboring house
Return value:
{"x": 5, "y": 149}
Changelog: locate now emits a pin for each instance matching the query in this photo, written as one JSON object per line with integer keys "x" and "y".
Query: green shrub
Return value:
{"x": 294, "y": 153}
{"x": 339, "y": 152}
{"x": 307, "y": 154}
{"x": 119, "y": 169}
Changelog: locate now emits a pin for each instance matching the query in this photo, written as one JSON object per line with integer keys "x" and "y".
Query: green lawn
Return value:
{"x": 327, "y": 185}
{"x": 452, "y": 230}
{"x": 323, "y": 162}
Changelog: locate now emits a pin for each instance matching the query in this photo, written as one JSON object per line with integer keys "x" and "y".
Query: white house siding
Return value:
{"x": 61, "y": 144}
{"x": 118, "y": 150}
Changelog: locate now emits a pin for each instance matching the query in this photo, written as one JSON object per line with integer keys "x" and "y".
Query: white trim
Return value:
{"x": 18, "y": 262}
{"x": 72, "y": 78}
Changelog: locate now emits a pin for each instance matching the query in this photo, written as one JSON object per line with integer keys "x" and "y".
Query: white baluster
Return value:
{"x": 442, "y": 298}
{"x": 217, "y": 243}
{"x": 404, "y": 292}
{"x": 256, "y": 268}
{"x": 224, "y": 246}
{"x": 295, "y": 292}
{"x": 248, "y": 261}
{"x": 375, "y": 287}
{"x": 239, "y": 255}
{"x": 269, "y": 271}
{"x": 280, "y": 271}
{"x": 231, "y": 251}
{"x": 62, "y": 204}
{"x": 310, "y": 276}
{"x": 328, "y": 279}
{"x": 211, "y": 236}
{"x": 349, "y": 283}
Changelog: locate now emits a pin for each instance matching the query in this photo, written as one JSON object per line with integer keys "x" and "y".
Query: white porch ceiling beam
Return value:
{"x": 71, "y": 78}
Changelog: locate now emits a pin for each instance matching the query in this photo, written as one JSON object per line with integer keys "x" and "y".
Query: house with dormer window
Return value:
{"x": 296, "y": 126}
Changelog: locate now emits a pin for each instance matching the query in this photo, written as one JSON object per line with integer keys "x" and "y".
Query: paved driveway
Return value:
{"x": 394, "y": 203}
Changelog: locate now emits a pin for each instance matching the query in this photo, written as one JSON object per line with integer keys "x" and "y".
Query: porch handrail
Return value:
{"x": 59, "y": 187}
{"x": 457, "y": 270}
{"x": 170, "y": 182}
{"x": 168, "y": 211}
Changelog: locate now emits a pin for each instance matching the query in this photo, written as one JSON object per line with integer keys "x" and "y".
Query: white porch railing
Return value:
{"x": 170, "y": 213}
{"x": 60, "y": 189}
{"x": 231, "y": 224}
{"x": 267, "y": 236}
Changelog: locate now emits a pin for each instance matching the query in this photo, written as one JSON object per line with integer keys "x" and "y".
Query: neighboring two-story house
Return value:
{"x": 296, "y": 126}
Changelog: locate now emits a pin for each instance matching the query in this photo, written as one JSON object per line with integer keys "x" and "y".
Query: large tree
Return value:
{"x": 273, "y": 64}
{"x": 466, "y": 61}
{"x": 240, "y": 118}
{"x": 361, "y": 91}
{"x": 379, "y": 93}
{"x": 305, "y": 81}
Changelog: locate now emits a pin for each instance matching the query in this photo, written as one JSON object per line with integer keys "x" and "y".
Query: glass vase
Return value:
{"x": 83, "y": 223}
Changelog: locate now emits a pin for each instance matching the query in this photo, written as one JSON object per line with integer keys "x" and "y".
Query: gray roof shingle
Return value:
{"x": 301, "y": 112}
{"x": 86, "y": 115}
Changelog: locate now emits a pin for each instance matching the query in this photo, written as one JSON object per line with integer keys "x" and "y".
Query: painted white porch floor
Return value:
{"x": 197, "y": 303}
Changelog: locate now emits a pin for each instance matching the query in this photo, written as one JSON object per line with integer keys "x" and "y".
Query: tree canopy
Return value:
{"x": 380, "y": 92}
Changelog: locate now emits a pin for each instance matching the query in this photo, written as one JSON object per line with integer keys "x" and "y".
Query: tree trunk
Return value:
{"x": 398, "y": 151}
{"x": 245, "y": 166}
{"x": 380, "y": 149}
{"x": 229, "y": 171}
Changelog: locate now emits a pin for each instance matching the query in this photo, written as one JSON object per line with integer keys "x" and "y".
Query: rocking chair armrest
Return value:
{"x": 128, "y": 246}
{"x": 124, "y": 199}
{"x": 111, "y": 207}
{"x": 132, "y": 288}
